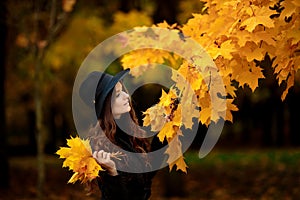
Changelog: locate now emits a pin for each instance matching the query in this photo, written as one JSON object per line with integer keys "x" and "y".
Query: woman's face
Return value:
{"x": 120, "y": 101}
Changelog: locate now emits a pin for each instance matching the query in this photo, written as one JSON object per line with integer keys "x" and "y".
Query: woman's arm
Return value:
{"x": 104, "y": 159}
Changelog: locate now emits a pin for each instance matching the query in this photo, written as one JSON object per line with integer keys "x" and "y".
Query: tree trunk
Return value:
{"x": 39, "y": 128}
{"x": 4, "y": 165}
{"x": 54, "y": 29}
{"x": 38, "y": 105}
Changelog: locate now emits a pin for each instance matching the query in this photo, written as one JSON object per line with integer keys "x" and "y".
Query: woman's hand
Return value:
{"x": 104, "y": 159}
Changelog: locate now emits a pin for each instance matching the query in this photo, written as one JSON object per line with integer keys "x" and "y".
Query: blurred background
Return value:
{"x": 44, "y": 42}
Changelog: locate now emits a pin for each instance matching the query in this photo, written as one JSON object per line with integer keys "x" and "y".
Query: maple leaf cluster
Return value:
{"x": 191, "y": 95}
{"x": 78, "y": 158}
{"x": 236, "y": 34}
{"x": 166, "y": 117}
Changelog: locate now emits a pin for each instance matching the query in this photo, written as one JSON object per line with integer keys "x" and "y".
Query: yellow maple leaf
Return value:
{"x": 285, "y": 70}
{"x": 191, "y": 75}
{"x": 252, "y": 22}
{"x": 225, "y": 72}
{"x": 246, "y": 73}
{"x": 155, "y": 116}
{"x": 146, "y": 119}
{"x": 164, "y": 24}
{"x": 189, "y": 108}
{"x": 177, "y": 119}
{"x": 290, "y": 7}
{"x": 229, "y": 108}
{"x": 225, "y": 50}
{"x": 252, "y": 51}
{"x": 205, "y": 115}
{"x": 250, "y": 78}
{"x": 258, "y": 36}
{"x": 211, "y": 111}
{"x": 78, "y": 158}
{"x": 167, "y": 98}
{"x": 175, "y": 154}
{"x": 180, "y": 165}
{"x": 260, "y": 16}
{"x": 166, "y": 132}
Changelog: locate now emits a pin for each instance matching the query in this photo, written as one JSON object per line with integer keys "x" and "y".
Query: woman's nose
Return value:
{"x": 125, "y": 95}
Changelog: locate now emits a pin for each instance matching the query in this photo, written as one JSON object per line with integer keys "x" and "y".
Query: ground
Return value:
{"x": 225, "y": 175}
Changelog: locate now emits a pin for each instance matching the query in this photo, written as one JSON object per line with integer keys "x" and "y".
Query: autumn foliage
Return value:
{"x": 237, "y": 35}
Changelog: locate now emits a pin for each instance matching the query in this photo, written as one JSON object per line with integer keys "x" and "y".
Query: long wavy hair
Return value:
{"x": 106, "y": 128}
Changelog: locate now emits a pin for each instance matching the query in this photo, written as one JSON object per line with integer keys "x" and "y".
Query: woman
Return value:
{"x": 116, "y": 119}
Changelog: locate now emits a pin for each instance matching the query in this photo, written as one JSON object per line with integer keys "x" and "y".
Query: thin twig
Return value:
{"x": 117, "y": 155}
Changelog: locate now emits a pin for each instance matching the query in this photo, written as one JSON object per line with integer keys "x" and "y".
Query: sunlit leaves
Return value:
{"x": 260, "y": 16}
{"x": 252, "y": 31}
{"x": 78, "y": 158}
{"x": 145, "y": 58}
{"x": 236, "y": 34}
{"x": 193, "y": 77}
{"x": 246, "y": 73}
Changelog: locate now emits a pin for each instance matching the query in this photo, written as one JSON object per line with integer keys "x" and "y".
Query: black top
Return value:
{"x": 126, "y": 186}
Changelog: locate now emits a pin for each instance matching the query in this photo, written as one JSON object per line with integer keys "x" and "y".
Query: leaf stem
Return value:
{"x": 117, "y": 155}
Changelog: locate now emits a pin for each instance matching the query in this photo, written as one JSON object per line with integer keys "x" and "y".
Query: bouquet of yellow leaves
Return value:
{"x": 78, "y": 158}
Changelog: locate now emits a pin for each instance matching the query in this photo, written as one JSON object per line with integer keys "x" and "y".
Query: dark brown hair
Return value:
{"x": 106, "y": 129}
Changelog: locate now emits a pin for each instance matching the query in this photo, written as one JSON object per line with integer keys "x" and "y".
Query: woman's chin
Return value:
{"x": 127, "y": 109}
